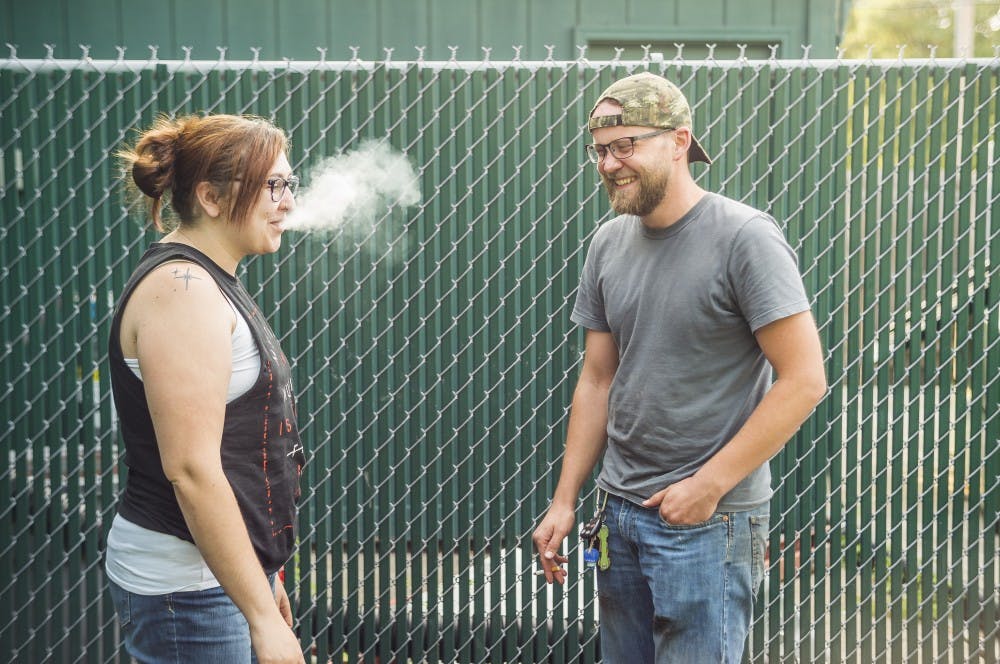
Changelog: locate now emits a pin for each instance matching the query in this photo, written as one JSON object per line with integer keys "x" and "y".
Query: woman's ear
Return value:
{"x": 208, "y": 199}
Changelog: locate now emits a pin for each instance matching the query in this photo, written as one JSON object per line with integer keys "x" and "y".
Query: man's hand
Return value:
{"x": 548, "y": 537}
{"x": 685, "y": 503}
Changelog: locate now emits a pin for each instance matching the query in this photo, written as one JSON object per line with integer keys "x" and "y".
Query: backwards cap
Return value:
{"x": 648, "y": 100}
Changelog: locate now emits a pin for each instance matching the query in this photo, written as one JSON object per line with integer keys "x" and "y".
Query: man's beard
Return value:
{"x": 652, "y": 190}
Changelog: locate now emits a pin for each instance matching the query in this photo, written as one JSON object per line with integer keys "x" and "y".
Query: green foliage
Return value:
{"x": 885, "y": 25}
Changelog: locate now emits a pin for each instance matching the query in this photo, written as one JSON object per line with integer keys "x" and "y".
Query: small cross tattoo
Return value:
{"x": 187, "y": 277}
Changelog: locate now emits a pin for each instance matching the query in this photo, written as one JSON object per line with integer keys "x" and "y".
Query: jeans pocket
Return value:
{"x": 759, "y": 526}
{"x": 711, "y": 521}
{"x": 121, "y": 598}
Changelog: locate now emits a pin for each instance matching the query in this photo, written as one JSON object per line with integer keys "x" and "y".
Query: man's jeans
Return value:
{"x": 181, "y": 628}
{"x": 679, "y": 594}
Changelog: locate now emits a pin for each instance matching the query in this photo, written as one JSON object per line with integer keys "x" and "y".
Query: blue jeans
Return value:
{"x": 183, "y": 627}
{"x": 679, "y": 593}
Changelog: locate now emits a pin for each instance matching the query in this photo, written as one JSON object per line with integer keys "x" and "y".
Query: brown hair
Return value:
{"x": 175, "y": 154}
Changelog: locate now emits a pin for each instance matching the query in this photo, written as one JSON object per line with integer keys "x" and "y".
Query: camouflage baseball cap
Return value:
{"x": 648, "y": 100}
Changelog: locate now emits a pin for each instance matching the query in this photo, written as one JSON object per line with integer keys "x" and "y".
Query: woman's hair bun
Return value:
{"x": 149, "y": 178}
{"x": 153, "y": 159}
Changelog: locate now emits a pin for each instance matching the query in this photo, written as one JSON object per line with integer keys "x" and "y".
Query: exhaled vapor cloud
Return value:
{"x": 350, "y": 191}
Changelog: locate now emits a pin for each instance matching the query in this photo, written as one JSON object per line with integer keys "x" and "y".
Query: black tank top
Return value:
{"x": 262, "y": 455}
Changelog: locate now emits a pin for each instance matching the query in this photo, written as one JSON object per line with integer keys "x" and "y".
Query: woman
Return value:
{"x": 204, "y": 397}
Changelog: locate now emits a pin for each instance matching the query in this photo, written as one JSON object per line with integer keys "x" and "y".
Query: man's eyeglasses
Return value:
{"x": 279, "y": 185}
{"x": 620, "y": 149}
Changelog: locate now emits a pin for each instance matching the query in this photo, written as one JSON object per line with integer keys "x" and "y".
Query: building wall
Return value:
{"x": 295, "y": 28}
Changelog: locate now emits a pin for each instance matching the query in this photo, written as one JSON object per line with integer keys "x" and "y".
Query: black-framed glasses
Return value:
{"x": 620, "y": 149}
{"x": 279, "y": 185}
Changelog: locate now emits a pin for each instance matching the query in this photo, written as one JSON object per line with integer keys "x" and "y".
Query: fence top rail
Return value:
{"x": 200, "y": 66}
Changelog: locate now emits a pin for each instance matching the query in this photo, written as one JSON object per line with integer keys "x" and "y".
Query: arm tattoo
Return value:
{"x": 187, "y": 276}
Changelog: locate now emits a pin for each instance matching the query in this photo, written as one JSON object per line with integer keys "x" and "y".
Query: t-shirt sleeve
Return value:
{"x": 764, "y": 274}
{"x": 588, "y": 311}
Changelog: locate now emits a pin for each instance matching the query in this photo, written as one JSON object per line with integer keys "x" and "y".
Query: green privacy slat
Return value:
{"x": 92, "y": 463}
{"x": 930, "y": 599}
{"x": 902, "y": 531}
{"x": 771, "y": 637}
{"x": 974, "y": 358}
{"x": 984, "y": 491}
{"x": 963, "y": 441}
{"x": 800, "y": 228}
{"x": 763, "y": 129}
{"x": 45, "y": 317}
{"x": 9, "y": 486}
{"x": 948, "y": 520}
{"x": 822, "y": 227}
{"x": 18, "y": 220}
{"x": 917, "y": 516}
{"x": 743, "y": 86}
{"x": 869, "y": 402}
{"x": 434, "y": 378}
{"x": 70, "y": 381}
{"x": 792, "y": 511}
{"x": 886, "y": 466}
{"x": 991, "y": 497}
{"x": 851, "y": 490}
{"x": 834, "y": 342}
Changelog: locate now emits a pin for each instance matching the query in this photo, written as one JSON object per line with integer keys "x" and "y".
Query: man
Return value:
{"x": 689, "y": 299}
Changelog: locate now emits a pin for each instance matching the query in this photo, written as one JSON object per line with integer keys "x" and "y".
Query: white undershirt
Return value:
{"x": 147, "y": 562}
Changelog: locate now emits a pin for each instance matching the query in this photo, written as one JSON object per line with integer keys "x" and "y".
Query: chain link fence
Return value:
{"x": 434, "y": 356}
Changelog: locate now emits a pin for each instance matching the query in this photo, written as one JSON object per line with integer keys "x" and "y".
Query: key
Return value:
{"x": 588, "y": 530}
{"x": 604, "y": 560}
{"x": 590, "y": 557}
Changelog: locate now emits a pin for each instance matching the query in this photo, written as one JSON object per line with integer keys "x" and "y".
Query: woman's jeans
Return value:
{"x": 679, "y": 593}
{"x": 183, "y": 627}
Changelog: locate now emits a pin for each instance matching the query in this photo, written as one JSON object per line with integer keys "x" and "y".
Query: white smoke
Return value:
{"x": 348, "y": 192}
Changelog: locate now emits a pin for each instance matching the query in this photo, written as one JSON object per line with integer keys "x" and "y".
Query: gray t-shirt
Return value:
{"x": 682, "y": 304}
